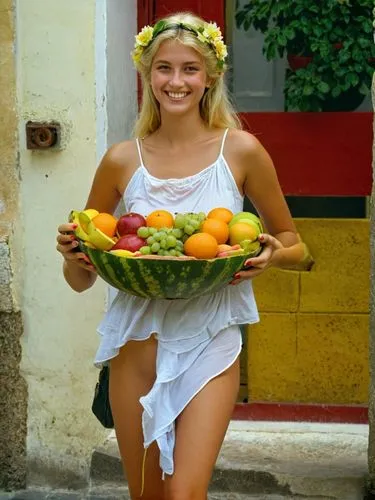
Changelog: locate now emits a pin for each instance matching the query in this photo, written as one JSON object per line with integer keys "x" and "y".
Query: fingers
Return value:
{"x": 66, "y": 228}
{"x": 268, "y": 239}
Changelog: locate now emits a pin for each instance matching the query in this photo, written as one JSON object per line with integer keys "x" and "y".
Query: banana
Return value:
{"x": 98, "y": 238}
{"x": 79, "y": 232}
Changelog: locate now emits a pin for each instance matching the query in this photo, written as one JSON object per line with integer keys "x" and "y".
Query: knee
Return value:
{"x": 180, "y": 491}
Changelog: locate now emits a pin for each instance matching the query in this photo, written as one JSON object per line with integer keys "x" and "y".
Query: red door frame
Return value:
{"x": 325, "y": 154}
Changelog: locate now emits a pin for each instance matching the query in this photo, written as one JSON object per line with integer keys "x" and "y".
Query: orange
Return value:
{"x": 241, "y": 231}
{"x": 220, "y": 213}
{"x": 201, "y": 246}
{"x": 216, "y": 228}
{"x": 106, "y": 223}
{"x": 159, "y": 219}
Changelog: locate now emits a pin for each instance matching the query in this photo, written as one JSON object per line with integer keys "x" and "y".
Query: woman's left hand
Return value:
{"x": 257, "y": 265}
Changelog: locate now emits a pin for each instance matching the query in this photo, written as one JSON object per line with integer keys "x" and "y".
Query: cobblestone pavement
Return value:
{"x": 115, "y": 493}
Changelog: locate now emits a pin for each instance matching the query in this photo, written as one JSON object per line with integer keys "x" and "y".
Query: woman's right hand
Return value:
{"x": 67, "y": 245}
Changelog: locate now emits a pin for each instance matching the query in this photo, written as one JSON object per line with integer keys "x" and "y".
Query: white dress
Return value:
{"x": 198, "y": 338}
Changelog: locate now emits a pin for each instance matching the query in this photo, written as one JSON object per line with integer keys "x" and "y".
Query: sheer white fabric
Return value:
{"x": 197, "y": 338}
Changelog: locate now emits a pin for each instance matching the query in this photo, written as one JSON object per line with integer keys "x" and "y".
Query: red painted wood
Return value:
{"x": 209, "y": 10}
{"x": 318, "y": 154}
{"x": 290, "y": 412}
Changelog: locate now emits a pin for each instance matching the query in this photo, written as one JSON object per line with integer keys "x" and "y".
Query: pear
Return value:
{"x": 97, "y": 238}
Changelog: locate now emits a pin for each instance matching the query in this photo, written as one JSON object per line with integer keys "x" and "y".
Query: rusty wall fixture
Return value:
{"x": 42, "y": 135}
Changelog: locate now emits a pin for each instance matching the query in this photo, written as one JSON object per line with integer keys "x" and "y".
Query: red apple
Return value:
{"x": 130, "y": 242}
{"x": 129, "y": 223}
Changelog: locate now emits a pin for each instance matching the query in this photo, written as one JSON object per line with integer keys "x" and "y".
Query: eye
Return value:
{"x": 163, "y": 67}
{"x": 191, "y": 69}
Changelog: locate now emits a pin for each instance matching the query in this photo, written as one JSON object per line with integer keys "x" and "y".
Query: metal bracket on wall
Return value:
{"x": 42, "y": 135}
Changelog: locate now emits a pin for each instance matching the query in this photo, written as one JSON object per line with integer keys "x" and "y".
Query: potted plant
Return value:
{"x": 329, "y": 46}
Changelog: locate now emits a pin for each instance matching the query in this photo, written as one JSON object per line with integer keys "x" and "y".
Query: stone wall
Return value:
{"x": 13, "y": 390}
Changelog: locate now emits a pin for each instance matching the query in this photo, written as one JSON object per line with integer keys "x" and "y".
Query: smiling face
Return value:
{"x": 178, "y": 78}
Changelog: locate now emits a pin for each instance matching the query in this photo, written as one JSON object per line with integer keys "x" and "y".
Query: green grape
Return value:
{"x": 201, "y": 216}
{"x": 171, "y": 241}
{"x": 150, "y": 240}
{"x": 179, "y": 245}
{"x": 173, "y": 253}
{"x": 145, "y": 250}
{"x": 189, "y": 229}
{"x": 185, "y": 237}
{"x": 157, "y": 236}
{"x": 177, "y": 233}
{"x": 143, "y": 232}
{"x": 152, "y": 230}
{"x": 195, "y": 224}
{"x": 155, "y": 247}
{"x": 163, "y": 243}
{"x": 179, "y": 254}
{"x": 179, "y": 221}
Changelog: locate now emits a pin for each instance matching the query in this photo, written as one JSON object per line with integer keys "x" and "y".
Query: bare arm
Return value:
{"x": 109, "y": 182}
{"x": 282, "y": 245}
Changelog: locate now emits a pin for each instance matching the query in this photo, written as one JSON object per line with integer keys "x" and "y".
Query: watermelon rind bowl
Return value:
{"x": 166, "y": 277}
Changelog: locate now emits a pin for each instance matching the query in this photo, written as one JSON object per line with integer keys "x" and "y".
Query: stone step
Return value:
{"x": 284, "y": 459}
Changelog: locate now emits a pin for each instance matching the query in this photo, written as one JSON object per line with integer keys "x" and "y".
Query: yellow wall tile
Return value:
{"x": 316, "y": 358}
{"x": 272, "y": 368}
{"x": 277, "y": 290}
{"x": 339, "y": 280}
{"x": 332, "y": 357}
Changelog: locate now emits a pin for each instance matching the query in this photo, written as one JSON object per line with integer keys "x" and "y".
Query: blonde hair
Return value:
{"x": 215, "y": 107}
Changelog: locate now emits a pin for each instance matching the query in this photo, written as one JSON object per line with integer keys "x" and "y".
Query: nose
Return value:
{"x": 176, "y": 79}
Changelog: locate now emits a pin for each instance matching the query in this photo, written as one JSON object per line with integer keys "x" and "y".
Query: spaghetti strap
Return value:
{"x": 223, "y": 142}
{"x": 139, "y": 151}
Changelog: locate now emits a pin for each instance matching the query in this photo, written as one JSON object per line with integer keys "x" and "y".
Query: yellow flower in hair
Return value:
{"x": 137, "y": 53}
{"x": 221, "y": 49}
{"x": 144, "y": 37}
{"x": 212, "y": 31}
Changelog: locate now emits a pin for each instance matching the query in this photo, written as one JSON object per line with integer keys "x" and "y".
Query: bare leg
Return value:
{"x": 200, "y": 431}
{"x": 132, "y": 374}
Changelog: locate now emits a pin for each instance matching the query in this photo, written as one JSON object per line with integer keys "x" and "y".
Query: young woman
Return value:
{"x": 174, "y": 369}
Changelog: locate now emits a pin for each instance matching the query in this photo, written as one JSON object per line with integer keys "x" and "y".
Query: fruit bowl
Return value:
{"x": 156, "y": 277}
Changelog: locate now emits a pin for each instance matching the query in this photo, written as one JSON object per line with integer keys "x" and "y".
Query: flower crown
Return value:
{"x": 208, "y": 33}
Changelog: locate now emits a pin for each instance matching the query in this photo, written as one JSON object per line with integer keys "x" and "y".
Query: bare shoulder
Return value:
{"x": 244, "y": 145}
{"x": 120, "y": 155}
{"x": 112, "y": 176}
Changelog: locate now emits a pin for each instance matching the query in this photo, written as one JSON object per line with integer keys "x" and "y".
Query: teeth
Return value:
{"x": 177, "y": 95}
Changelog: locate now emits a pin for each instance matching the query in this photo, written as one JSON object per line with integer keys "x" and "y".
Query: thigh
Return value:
{"x": 200, "y": 431}
{"x": 132, "y": 374}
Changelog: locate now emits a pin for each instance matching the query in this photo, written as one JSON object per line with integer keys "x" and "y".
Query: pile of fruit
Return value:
{"x": 170, "y": 256}
{"x": 220, "y": 233}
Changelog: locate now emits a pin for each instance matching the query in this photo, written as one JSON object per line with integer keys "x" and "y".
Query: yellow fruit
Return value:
{"x": 91, "y": 212}
{"x": 79, "y": 232}
{"x": 242, "y": 231}
{"x": 97, "y": 238}
{"x": 122, "y": 253}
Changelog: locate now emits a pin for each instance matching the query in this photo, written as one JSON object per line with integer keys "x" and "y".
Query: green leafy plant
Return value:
{"x": 334, "y": 36}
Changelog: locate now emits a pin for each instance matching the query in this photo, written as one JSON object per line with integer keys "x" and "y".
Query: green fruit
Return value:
{"x": 247, "y": 216}
{"x": 251, "y": 246}
{"x": 165, "y": 278}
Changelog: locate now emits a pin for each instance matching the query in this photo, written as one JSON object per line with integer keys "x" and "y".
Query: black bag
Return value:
{"x": 101, "y": 407}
